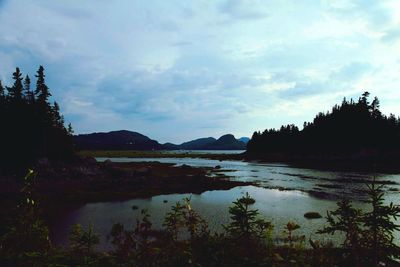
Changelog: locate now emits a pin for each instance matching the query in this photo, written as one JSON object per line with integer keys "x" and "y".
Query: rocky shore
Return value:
{"x": 90, "y": 181}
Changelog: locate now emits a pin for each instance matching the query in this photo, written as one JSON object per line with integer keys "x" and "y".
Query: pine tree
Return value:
{"x": 244, "y": 220}
{"x": 15, "y": 91}
{"x": 381, "y": 226}
{"x": 30, "y": 97}
{"x": 70, "y": 130}
{"x": 58, "y": 120}
{"x": 42, "y": 91}
{"x": 1, "y": 91}
{"x": 348, "y": 220}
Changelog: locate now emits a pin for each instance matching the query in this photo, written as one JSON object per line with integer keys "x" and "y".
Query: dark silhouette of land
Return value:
{"x": 128, "y": 140}
{"x": 116, "y": 140}
{"x": 353, "y": 133}
{"x": 32, "y": 128}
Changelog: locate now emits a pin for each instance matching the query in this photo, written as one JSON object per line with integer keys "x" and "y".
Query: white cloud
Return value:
{"x": 174, "y": 69}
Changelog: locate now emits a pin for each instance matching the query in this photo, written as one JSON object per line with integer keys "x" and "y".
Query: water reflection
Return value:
{"x": 284, "y": 193}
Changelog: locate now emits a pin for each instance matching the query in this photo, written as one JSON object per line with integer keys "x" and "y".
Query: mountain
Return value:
{"x": 197, "y": 144}
{"x": 116, "y": 140}
{"x": 170, "y": 146}
{"x": 244, "y": 139}
{"x": 225, "y": 142}
{"x": 127, "y": 140}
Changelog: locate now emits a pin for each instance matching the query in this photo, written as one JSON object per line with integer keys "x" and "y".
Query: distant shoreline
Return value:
{"x": 357, "y": 163}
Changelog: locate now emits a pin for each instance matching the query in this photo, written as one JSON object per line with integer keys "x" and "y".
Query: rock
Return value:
{"x": 312, "y": 215}
{"x": 217, "y": 167}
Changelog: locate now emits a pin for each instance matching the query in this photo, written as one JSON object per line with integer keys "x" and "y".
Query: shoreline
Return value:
{"x": 90, "y": 181}
{"x": 354, "y": 163}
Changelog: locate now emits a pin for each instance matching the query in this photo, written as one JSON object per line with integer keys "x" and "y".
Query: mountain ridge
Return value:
{"x": 131, "y": 140}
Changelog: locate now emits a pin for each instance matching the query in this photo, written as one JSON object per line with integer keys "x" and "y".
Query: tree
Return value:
{"x": 1, "y": 91}
{"x": 27, "y": 236}
{"x": 15, "y": 91}
{"x": 348, "y": 220}
{"x": 58, "y": 119}
{"x": 30, "y": 97}
{"x": 379, "y": 238}
{"x": 83, "y": 241}
{"x": 70, "y": 130}
{"x": 364, "y": 98}
{"x": 351, "y": 129}
{"x": 244, "y": 221}
{"x": 42, "y": 91}
{"x": 375, "y": 105}
{"x": 31, "y": 127}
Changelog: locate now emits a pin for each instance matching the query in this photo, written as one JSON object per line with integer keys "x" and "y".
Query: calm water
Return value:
{"x": 282, "y": 193}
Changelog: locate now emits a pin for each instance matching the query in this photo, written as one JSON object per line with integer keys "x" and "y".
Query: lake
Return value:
{"x": 283, "y": 193}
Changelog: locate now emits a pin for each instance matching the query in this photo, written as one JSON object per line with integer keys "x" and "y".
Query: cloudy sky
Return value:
{"x": 178, "y": 70}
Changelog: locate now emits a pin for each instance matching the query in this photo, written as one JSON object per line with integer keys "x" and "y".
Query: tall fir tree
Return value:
{"x": 42, "y": 91}
{"x": 58, "y": 119}
{"x": 2, "y": 93}
{"x": 29, "y": 96}
{"x": 15, "y": 91}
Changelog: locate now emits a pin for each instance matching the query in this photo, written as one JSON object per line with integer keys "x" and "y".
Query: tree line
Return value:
{"x": 32, "y": 128}
{"x": 352, "y": 127}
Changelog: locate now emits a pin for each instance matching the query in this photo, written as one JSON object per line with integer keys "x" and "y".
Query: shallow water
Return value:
{"x": 282, "y": 193}
{"x": 321, "y": 184}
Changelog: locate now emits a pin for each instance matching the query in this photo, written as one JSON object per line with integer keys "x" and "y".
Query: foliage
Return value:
{"x": 380, "y": 226}
{"x": 245, "y": 222}
{"x": 83, "y": 241}
{"x": 348, "y": 220}
{"x": 350, "y": 128}
{"x": 27, "y": 237}
{"x": 32, "y": 128}
{"x": 186, "y": 241}
{"x": 369, "y": 234}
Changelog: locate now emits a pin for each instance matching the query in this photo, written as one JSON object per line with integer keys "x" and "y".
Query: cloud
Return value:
{"x": 174, "y": 69}
{"x": 391, "y": 35}
{"x": 352, "y": 71}
{"x": 242, "y": 10}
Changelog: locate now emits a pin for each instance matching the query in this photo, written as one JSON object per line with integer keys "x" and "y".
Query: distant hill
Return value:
{"x": 116, "y": 140}
{"x": 225, "y": 142}
{"x": 244, "y": 139}
{"x": 197, "y": 144}
{"x": 127, "y": 140}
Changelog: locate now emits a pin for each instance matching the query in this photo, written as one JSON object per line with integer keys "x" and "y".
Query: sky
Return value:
{"x": 179, "y": 70}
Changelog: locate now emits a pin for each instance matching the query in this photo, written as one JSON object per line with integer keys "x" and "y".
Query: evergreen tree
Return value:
{"x": 15, "y": 91}
{"x": 349, "y": 130}
{"x": 348, "y": 220}
{"x": 380, "y": 224}
{"x": 58, "y": 119}
{"x": 42, "y": 91}
{"x": 70, "y": 130}
{"x": 31, "y": 127}
{"x": 2, "y": 93}
{"x": 29, "y": 96}
{"x": 245, "y": 222}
